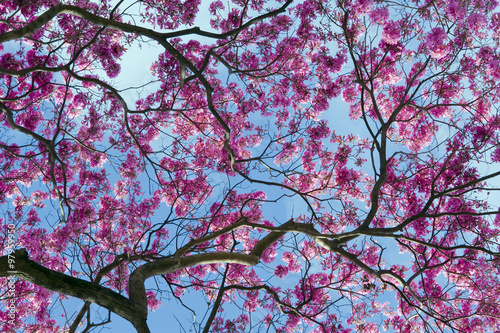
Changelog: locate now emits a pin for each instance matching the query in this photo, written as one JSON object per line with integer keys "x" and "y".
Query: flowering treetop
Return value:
{"x": 184, "y": 179}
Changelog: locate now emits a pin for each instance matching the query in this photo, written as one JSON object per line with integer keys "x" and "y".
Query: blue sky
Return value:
{"x": 135, "y": 72}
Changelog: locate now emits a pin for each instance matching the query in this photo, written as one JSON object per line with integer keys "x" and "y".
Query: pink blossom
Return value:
{"x": 379, "y": 15}
{"x": 153, "y": 303}
{"x": 391, "y": 33}
{"x": 476, "y": 21}
{"x": 281, "y": 271}
{"x": 495, "y": 156}
{"x": 363, "y": 6}
{"x": 455, "y": 10}
{"x": 434, "y": 42}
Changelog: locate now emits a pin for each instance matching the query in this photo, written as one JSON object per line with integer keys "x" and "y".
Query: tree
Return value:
{"x": 235, "y": 172}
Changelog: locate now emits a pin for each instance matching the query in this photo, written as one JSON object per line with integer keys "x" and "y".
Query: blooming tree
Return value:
{"x": 299, "y": 165}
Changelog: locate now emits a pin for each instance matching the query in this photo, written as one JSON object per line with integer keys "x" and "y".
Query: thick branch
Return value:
{"x": 33, "y": 272}
{"x": 137, "y": 291}
{"x": 48, "y": 15}
{"x": 44, "y": 18}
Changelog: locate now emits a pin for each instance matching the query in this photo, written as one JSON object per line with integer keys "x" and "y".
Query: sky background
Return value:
{"x": 172, "y": 316}
{"x": 135, "y": 71}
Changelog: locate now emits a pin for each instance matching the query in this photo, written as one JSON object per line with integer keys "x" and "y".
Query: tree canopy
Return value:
{"x": 299, "y": 165}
